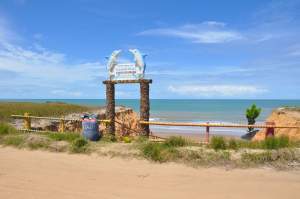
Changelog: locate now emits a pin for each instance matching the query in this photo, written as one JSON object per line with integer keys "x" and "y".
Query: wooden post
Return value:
{"x": 207, "y": 133}
{"x": 27, "y": 121}
{"x": 62, "y": 125}
{"x": 145, "y": 106}
{"x": 270, "y": 131}
{"x": 110, "y": 106}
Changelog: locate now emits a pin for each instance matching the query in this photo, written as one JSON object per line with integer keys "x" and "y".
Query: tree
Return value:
{"x": 252, "y": 113}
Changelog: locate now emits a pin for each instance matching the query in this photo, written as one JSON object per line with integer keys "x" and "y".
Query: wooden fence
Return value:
{"x": 269, "y": 126}
{"x": 27, "y": 121}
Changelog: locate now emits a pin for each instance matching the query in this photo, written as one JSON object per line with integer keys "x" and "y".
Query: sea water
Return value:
{"x": 193, "y": 110}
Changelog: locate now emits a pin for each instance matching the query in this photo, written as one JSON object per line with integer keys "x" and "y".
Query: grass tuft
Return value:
{"x": 233, "y": 144}
{"x": 53, "y": 109}
{"x": 79, "y": 145}
{"x": 218, "y": 143}
{"x": 159, "y": 152}
{"x": 14, "y": 140}
{"x": 69, "y": 137}
{"x": 6, "y": 129}
{"x": 175, "y": 141}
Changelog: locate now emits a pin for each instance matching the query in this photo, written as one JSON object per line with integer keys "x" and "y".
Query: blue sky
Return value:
{"x": 196, "y": 49}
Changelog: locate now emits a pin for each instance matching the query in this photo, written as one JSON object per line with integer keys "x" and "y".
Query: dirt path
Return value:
{"x": 37, "y": 174}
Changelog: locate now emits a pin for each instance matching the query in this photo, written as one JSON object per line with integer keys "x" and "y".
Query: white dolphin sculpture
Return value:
{"x": 112, "y": 62}
{"x": 139, "y": 60}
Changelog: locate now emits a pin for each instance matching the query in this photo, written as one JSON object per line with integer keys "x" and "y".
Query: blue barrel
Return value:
{"x": 90, "y": 129}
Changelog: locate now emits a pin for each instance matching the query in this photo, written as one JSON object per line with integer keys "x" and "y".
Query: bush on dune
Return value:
{"x": 218, "y": 143}
{"x": 6, "y": 129}
{"x": 166, "y": 151}
{"x": 38, "y": 109}
{"x": 69, "y": 137}
{"x": 13, "y": 140}
{"x": 79, "y": 145}
{"x": 175, "y": 141}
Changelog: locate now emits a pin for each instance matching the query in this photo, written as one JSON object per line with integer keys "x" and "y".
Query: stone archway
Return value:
{"x": 144, "y": 103}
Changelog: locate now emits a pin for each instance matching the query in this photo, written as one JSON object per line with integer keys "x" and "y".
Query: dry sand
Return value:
{"x": 38, "y": 174}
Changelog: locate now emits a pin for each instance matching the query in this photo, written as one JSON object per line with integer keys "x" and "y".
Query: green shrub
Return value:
{"x": 69, "y": 137}
{"x": 126, "y": 139}
{"x": 276, "y": 142}
{"x": 53, "y": 109}
{"x": 283, "y": 141}
{"x": 6, "y": 129}
{"x": 251, "y": 114}
{"x": 159, "y": 152}
{"x": 14, "y": 140}
{"x": 233, "y": 144}
{"x": 176, "y": 141}
{"x": 218, "y": 143}
{"x": 153, "y": 151}
{"x": 79, "y": 145}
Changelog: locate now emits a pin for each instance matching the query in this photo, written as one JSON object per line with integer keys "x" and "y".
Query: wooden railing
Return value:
{"x": 27, "y": 121}
{"x": 269, "y": 126}
{"x": 215, "y": 125}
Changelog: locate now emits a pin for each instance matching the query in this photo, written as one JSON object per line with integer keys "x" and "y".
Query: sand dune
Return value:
{"x": 37, "y": 174}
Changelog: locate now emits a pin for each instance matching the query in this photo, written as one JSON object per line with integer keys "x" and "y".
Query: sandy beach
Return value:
{"x": 40, "y": 174}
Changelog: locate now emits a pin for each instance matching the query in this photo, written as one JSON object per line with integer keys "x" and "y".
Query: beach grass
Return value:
{"x": 276, "y": 152}
{"x": 54, "y": 109}
{"x": 79, "y": 145}
{"x": 165, "y": 151}
{"x": 271, "y": 143}
{"x": 6, "y": 129}
{"x": 66, "y": 136}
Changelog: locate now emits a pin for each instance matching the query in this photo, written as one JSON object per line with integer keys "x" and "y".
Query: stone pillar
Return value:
{"x": 144, "y": 106}
{"x": 110, "y": 106}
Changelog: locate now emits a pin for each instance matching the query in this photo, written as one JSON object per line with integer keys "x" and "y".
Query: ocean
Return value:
{"x": 192, "y": 110}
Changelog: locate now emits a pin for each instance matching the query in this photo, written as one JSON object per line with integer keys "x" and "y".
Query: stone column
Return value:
{"x": 110, "y": 106}
{"x": 144, "y": 106}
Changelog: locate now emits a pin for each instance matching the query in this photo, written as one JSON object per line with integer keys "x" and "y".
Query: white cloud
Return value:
{"x": 36, "y": 67}
{"x": 206, "y": 32}
{"x": 216, "y": 90}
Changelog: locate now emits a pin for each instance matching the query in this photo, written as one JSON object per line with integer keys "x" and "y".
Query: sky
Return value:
{"x": 55, "y": 49}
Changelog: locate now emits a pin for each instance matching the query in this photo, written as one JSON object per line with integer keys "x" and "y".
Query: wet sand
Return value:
{"x": 39, "y": 174}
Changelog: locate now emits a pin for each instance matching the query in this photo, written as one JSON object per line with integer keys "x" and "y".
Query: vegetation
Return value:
{"x": 56, "y": 109}
{"x": 252, "y": 113}
{"x": 6, "y": 129}
{"x": 159, "y": 152}
{"x": 79, "y": 145}
{"x": 278, "y": 152}
{"x": 276, "y": 143}
{"x": 62, "y": 136}
{"x": 218, "y": 143}
{"x": 166, "y": 151}
{"x": 13, "y": 140}
{"x": 278, "y": 158}
{"x": 176, "y": 141}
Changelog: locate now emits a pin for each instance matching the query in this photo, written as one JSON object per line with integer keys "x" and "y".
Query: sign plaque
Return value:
{"x": 126, "y": 71}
